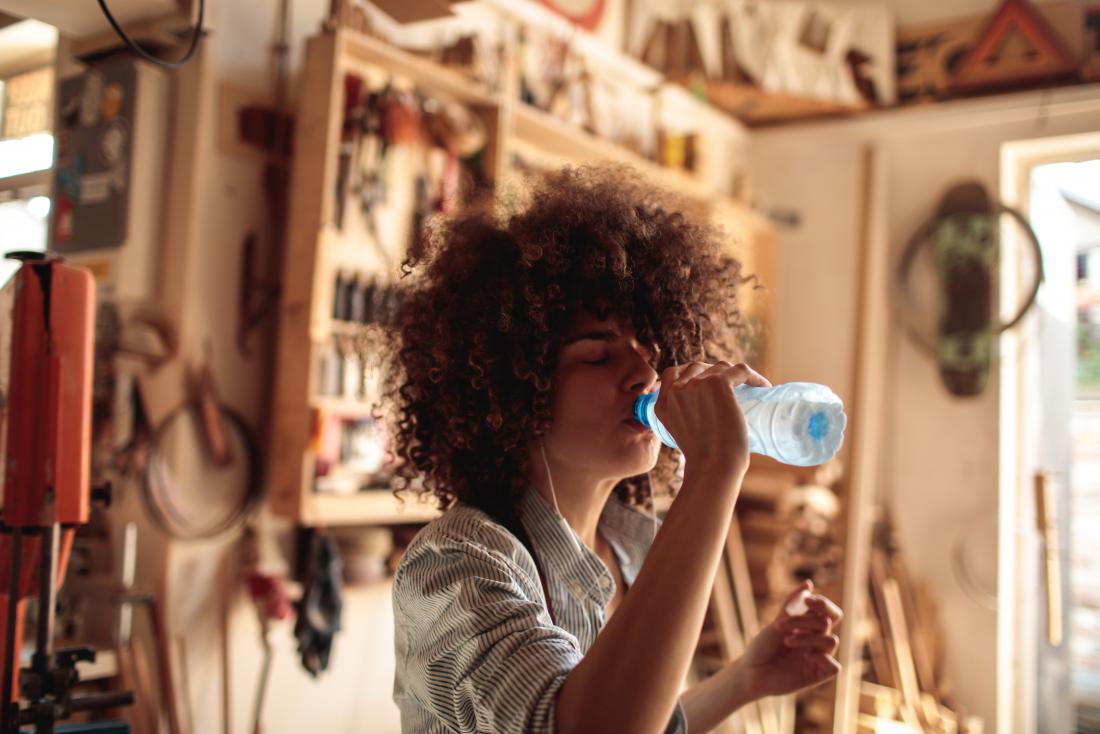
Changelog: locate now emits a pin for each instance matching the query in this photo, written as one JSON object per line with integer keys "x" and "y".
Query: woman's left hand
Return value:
{"x": 793, "y": 653}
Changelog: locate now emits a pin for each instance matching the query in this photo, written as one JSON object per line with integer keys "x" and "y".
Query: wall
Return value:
{"x": 940, "y": 469}
{"x": 212, "y": 623}
{"x": 813, "y": 169}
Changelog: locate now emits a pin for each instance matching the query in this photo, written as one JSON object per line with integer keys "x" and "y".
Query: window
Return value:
{"x": 28, "y": 49}
{"x": 26, "y": 156}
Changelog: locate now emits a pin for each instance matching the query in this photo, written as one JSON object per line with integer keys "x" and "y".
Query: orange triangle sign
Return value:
{"x": 1016, "y": 47}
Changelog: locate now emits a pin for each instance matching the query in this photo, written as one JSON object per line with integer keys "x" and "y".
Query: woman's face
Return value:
{"x": 601, "y": 370}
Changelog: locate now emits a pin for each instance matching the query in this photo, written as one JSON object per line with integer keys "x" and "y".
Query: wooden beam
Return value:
{"x": 164, "y": 30}
{"x": 746, "y": 608}
{"x": 865, "y": 424}
{"x": 732, "y": 637}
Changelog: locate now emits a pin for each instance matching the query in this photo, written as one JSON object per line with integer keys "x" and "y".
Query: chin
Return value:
{"x": 641, "y": 458}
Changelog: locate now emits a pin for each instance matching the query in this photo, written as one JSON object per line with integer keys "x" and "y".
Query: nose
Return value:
{"x": 641, "y": 376}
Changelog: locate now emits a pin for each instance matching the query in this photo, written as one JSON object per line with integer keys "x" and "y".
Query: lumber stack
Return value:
{"x": 780, "y": 512}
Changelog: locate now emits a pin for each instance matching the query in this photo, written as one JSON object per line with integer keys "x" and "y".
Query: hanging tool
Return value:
{"x": 272, "y": 603}
{"x": 1046, "y": 519}
{"x": 321, "y": 604}
{"x": 349, "y": 135}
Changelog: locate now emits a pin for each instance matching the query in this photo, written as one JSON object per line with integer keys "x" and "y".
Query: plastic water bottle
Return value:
{"x": 797, "y": 423}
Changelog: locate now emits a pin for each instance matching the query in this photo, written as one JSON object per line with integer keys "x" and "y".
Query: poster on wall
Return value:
{"x": 769, "y": 61}
{"x": 95, "y": 114}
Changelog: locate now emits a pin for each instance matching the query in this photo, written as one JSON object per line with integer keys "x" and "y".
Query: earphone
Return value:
{"x": 563, "y": 521}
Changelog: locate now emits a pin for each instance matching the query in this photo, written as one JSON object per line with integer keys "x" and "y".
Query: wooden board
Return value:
{"x": 738, "y": 564}
{"x": 757, "y": 108}
{"x": 864, "y": 445}
{"x": 929, "y": 54}
{"x": 724, "y": 609}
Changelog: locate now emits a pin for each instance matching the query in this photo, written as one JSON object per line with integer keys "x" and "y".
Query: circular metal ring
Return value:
{"x": 905, "y": 304}
{"x": 164, "y": 513}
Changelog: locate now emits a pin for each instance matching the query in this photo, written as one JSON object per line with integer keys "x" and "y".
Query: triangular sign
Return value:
{"x": 1018, "y": 26}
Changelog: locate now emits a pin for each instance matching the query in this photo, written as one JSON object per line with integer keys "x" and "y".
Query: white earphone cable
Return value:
{"x": 553, "y": 495}
{"x": 561, "y": 518}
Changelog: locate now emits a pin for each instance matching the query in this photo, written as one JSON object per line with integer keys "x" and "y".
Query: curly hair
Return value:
{"x": 490, "y": 294}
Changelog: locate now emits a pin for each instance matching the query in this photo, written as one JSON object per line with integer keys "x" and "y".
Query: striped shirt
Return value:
{"x": 477, "y": 649}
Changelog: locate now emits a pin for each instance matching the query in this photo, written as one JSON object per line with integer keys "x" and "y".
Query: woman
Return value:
{"x": 544, "y": 598}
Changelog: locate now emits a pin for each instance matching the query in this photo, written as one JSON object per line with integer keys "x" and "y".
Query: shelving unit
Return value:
{"x": 316, "y": 248}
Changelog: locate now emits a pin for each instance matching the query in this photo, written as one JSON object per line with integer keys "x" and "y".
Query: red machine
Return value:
{"x": 46, "y": 480}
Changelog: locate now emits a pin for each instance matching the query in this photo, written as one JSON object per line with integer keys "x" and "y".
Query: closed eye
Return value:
{"x": 596, "y": 361}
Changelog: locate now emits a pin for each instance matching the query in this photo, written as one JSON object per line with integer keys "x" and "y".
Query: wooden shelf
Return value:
{"x": 372, "y": 507}
{"x": 357, "y": 49}
{"x": 533, "y": 129}
{"x": 547, "y": 138}
{"x": 315, "y": 248}
{"x": 341, "y": 406}
{"x": 755, "y": 107}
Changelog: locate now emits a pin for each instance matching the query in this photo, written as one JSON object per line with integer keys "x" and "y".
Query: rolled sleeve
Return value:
{"x": 479, "y": 650}
{"x": 678, "y": 723}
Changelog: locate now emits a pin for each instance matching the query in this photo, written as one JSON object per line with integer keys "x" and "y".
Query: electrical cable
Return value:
{"x": 145, "y": 54}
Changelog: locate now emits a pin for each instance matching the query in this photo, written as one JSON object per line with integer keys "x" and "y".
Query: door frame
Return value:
{"x": 1018, "y": 572}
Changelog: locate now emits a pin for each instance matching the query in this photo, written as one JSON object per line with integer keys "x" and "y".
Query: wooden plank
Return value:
{"x": 724, "y": 609}
{"x": 355, "y": 49}
{"x": 546, "y": 138}
{"x": 865, "y": 411}
{"x": 918, "y": 632}
{"x": 903, "y": 657}
{"x": 756, "y": 107}
{"x": 185, "y": 172}
{"x": 311, "y": 203}
{"x": 164, "y": 29}
{"x": 746, "y": 609}
{"x": 882, "y": 702}
{"x": 877, "y": 579}
{"x": 376, "y": 506}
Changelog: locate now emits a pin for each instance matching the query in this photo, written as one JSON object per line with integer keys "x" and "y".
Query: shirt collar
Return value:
{"x": 628, "y": 531}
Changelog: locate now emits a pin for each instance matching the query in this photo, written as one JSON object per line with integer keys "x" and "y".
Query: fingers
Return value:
{"x": 740, "y": 373}
{"x": 807, "y": 623}
{"x": 827, "y": 644}
{"x": 807, "y": 585}
{"x": 679, "y": 374}
{"x": 793, "y": 605}
{"x": 824, "y": 667}
{"x": 822, "y": 613}
{"x": 826, "y": 608}
{"x": 754, "y": 378}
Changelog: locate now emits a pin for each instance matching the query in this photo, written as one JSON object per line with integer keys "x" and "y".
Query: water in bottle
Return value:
{"x": 797, "y": 423}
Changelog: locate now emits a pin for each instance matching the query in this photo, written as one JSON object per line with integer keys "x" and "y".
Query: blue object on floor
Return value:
{"x": 94, "y": 727}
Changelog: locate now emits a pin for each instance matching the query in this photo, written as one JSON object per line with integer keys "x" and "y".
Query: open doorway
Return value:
{"x": 1049, "y": 620}
{"x": 1065, "y": 203}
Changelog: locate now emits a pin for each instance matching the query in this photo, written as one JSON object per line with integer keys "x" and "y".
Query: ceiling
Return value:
{"x": 79, "y": 18}
{"x": 24, "y": 45}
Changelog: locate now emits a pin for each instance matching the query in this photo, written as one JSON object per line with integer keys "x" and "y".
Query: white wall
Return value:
{"x": 813, "y": 169}
{"x": 940, "y": 471}
{"x": 210, "y": 618}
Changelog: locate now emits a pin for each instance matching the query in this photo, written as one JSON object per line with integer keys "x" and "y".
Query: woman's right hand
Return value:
{"x": 698, "y": 408}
